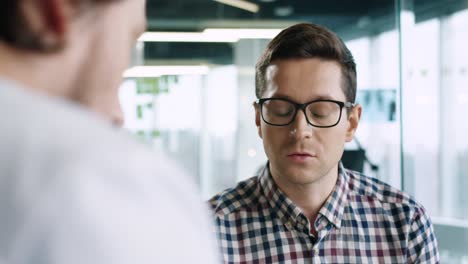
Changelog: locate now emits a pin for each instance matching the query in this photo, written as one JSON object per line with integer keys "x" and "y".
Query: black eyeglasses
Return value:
{"x": 318, "y": 113}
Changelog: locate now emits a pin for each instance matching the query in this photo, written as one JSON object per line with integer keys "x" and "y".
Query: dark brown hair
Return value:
{"x": 16, "y": 32}
{"x": 303, "y": 41}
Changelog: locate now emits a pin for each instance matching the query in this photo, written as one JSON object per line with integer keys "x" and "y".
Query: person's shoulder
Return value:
{"x": 55, "y": 123}
{"x": 61, "y": 161}
{"x": 69, "y": 138}
{"x": 241, "y": 197}
{"x": 361, "y": 185}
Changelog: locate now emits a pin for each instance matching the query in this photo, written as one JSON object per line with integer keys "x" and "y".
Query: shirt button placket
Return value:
{"x": 315, "y": 255}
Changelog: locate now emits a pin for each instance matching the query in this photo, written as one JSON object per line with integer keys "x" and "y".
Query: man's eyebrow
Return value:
{"x": 315, "y": 98}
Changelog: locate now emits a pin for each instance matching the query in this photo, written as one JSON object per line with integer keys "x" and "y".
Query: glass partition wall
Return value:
{"x": 434, "y": 99}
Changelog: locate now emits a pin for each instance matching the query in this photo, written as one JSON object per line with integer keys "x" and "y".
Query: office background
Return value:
{"x": 190, "y": 90}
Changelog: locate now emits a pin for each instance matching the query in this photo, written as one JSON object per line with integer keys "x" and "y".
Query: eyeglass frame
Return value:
{"x": 303, "y": 106}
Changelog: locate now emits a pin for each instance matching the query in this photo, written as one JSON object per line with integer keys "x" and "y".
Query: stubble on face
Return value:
{"x": 304, "y": 80}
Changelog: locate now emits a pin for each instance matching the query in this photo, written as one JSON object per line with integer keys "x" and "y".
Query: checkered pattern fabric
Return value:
{"x": 363, "y": 221}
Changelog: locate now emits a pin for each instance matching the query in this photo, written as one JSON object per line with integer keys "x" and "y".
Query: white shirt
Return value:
{"x": 73, "y": 190}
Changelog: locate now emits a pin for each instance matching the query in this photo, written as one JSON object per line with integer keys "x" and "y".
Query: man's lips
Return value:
{"x": 300, "y": 154}
{"x": 300, "y": 157}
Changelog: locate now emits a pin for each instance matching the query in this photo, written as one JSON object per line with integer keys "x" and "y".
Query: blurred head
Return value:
{"x": 82, "y": 46}
{"x": 303, "y": 64}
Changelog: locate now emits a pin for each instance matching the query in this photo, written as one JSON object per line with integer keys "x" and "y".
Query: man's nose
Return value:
{"x": 300, "y": 125}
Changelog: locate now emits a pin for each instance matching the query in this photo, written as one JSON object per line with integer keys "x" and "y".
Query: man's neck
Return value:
{"x": 310, "y": 197}
{"x": 32, "y": 72}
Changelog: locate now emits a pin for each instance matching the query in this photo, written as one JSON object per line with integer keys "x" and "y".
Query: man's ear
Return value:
{"x": 353, "y": 122}
{"x": 258, "y": 119}
{"x": 56, "y": 15}
{"x": 48, "y": 21}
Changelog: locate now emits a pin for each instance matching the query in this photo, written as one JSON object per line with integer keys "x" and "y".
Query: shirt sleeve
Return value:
{"x": 422, "y": 244}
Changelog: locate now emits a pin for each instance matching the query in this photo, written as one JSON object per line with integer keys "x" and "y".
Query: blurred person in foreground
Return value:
{"x": 72, "y": 188}
{"x": 305, "y": 207}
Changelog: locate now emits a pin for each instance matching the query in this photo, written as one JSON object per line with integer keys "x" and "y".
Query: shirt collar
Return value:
{"x": 290, "y": 214}
{"x": 334, "y": 206}
{"x": 280, "y": 204}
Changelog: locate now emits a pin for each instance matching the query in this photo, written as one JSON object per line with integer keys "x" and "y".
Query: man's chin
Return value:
{"x": 300, "y": 174}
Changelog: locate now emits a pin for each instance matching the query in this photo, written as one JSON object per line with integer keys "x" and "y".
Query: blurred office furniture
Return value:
{"x": 355, "y": 159}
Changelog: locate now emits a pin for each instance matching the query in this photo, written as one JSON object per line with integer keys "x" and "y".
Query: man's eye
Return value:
{"x": 282, "y": 112}
{"x": 317, "y": 115}
{"x": 320, "y": 114}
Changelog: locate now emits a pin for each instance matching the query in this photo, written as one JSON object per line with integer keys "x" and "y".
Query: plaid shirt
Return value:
{"x": 362, "y": 221}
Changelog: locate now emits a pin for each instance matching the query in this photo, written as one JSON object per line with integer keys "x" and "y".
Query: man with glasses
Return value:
{"x": 305, "y": 207}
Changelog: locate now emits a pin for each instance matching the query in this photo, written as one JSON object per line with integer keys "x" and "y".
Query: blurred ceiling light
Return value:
{"x": 243, "y": 33}
{"x": 245, "y": 5}
{"x": 210, "y": 35}
{"x": 184, "y": 37}
{"x": 157, "y": 71}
